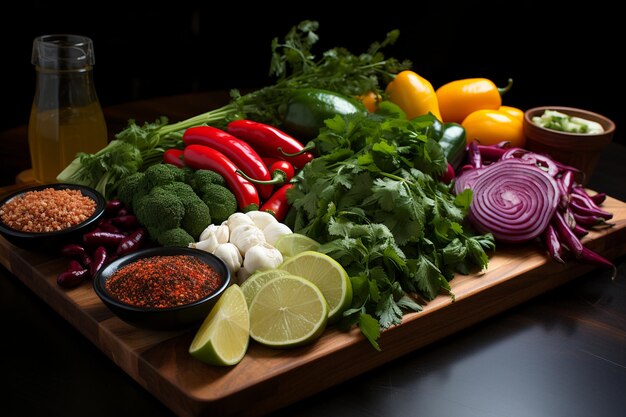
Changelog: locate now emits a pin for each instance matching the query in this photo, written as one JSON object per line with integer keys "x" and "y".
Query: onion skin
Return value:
{"x": 513, "y": 200}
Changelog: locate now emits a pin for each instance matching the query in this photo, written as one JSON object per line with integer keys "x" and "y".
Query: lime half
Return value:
{"x": 255, "y": 281}
{"x": 294, "y": 243}
{"x": 327, "y": 274}
{"x": 288, "y": 311}
{"x": 224, "y": 335}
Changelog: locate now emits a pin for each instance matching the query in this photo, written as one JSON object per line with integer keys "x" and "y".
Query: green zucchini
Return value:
{"x": 305, "y": 110}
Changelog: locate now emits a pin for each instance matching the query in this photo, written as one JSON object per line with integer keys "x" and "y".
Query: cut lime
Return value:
{"x": 327, "y": 274}
{"x": 288, "y": 311}
{"x": 293, "y": 243}
{"x": 224, "y": 335}
{"x": 255, "y": 281}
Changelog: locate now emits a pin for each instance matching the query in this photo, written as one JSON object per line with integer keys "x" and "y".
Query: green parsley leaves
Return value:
{"x": 372, "y": 198}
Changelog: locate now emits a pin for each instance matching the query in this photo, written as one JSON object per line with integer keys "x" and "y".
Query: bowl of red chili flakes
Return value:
{"x": 47, "y": 216}
{"x": 163, "y": 288}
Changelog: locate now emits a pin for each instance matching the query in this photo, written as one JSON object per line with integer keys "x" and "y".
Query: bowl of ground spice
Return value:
{"x": 46, "y": 217}
{"x": 163, "y": 288}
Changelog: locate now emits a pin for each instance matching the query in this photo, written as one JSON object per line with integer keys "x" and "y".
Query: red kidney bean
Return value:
{"x": 132, "y": 242}
{"x": 101, "y": 238}
{"x": 100, "y": 258}
{"x": 72, "y": 278}
{"x": 112, "y": 207}
{"x": 127, "y": 221}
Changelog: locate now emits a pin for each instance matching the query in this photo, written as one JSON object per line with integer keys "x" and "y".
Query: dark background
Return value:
{"x": 557, "y": 53}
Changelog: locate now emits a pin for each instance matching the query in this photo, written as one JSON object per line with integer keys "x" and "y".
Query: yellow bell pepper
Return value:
{"x": 370, "y": 100}
{"x": 513, "y": 111}
{"x": 459, "y": 98}
{"x": 413, "y": 94}
{"x": 488, "y": 127}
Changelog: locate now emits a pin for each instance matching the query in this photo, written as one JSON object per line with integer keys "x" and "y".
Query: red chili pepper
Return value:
{"x": 174, "y": 157}
{"x": 132, "y": 242}
{"x": 281, "y": 171}
{"x": 269, "y": 160}
{"x": 271, "y": 141}
{"x": 277, "y": 204}
{"x": 204, "y": 157}
{"x": 235, "y": 149}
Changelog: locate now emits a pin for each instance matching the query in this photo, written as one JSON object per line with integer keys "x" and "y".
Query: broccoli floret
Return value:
{"x": 162, "y": 174}
{"x": 172, "y": 204}
{"x": 220, "y": 201}
{"x": 159, "y": 210}
{"x": 175, "y": 237}
{"x": 189, "y": 173}
{"x": 202, "y": 177}
{"x": 131, "y": 187}
{"x": 197, "y": 215}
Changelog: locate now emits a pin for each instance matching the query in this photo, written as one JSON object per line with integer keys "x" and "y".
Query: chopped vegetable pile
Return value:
{"x": 555, "y": 120}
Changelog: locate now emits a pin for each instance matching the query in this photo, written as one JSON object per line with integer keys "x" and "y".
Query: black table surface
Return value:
{"x": 560, "y": 354}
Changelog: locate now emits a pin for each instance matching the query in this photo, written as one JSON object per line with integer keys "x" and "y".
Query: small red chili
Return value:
{"x": 271, "y": 141}
{"x": 281, "y": 171}
{"x": 163, "y": 281}
{"x": 204, "y": 157}
{"x": 277, "y": 204}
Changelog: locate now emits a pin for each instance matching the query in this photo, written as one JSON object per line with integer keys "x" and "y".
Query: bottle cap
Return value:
{"x": 63, "y": 51}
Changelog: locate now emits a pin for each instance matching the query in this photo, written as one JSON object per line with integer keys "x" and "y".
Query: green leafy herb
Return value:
{"x": 372, "y": 200}
{"x": 292, "y": 63}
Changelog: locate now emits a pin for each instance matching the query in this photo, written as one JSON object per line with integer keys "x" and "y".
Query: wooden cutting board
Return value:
{"x": 159, "y": 361}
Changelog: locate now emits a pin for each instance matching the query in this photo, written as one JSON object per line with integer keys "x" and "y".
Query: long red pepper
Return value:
{"x": 277, "y": 204}
{"x": 204, "y": 157}
{"x": 235, "y": 149}
{"x": 270, "y": 141}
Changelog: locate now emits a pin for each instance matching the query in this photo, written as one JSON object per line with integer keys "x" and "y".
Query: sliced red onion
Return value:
{"x": 512, "y": 199}
{"x": 466, "y": 179}
{"x": 542, "y": 161}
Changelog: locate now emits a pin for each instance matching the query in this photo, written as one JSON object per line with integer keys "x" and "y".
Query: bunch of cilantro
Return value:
{"x": 372, "y": 199}
{"x": 293, "y": 65}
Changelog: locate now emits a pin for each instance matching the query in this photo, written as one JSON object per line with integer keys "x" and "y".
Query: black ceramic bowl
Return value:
{"x": 53, "y": 241}
{"x": 170, "y": 318}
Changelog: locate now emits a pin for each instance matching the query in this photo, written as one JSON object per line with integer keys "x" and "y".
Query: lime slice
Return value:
{"x": 293, "y": 243}
{"x": 255, "y": 281}
{"x": 224, "y": 335}
{"x": 327, "y": 274}
{"x": 288, "y": 311}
